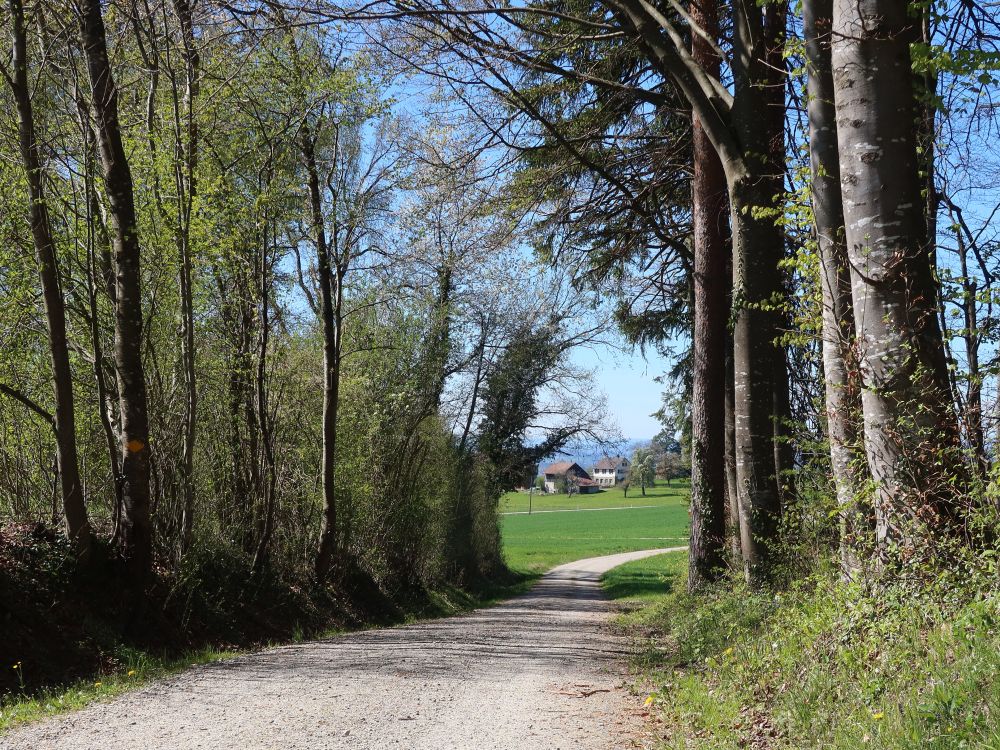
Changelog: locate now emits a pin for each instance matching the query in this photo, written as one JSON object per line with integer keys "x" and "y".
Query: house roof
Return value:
{"x": 609, "y": 463}
{"x": 583, "y": 482}
{"x": 561, "y": 467}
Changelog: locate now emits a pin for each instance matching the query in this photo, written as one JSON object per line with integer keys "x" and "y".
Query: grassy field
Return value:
{"x": 534, "y": 543}
{"x": 518, "y": 502}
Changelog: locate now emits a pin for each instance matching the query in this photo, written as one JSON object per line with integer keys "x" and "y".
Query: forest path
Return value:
{"x": 538, "y": 672}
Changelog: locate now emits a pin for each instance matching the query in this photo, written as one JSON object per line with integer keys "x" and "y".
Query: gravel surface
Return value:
{"x": 538, "y": 672}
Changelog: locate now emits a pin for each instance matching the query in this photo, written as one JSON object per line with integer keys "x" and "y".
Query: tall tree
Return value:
{"x": 906, "y": 392}
{"x": 331, "y": 316}
{"x": 137, "y": 530}
{"x": 64, "y": 422}
{"x": 711, "y": 306}
{"x": 743, "y": 127}
{"x": 843, "y": 407}
{"x": 187, "y": 143}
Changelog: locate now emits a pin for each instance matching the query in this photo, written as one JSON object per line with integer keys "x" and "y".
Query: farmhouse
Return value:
{"x": 611, "y": 471}
{"x": 567, "y": 470}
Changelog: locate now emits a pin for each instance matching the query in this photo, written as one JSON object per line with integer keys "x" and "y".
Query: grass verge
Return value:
{"x": 140, "y": 669}
{"x": 823, "y": 665}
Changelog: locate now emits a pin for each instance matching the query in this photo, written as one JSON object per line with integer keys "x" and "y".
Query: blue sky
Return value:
{"x": 628, "y": 381}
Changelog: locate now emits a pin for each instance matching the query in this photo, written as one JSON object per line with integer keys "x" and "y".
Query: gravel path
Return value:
{"x": 539, "y": 672}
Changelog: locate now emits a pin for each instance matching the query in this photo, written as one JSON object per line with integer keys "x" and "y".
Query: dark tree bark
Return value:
{"x": 711, "y": 306}
{"x": 758, "y": 248}
{"x": 327, "y": 556}
{"x": 741, "y": 129}
{"x": 187, "y": 188}
{"x": 732, "y": 484}
{"x": 911, "y": 435}
{"x": 137, "y": 532}
{"x": 843, "y": 405}
{"x": 75, "y": 518}
{"x": 268, "y": 482}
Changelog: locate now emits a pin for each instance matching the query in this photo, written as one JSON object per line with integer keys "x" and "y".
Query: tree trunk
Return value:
{"x": 911, "y": 435}
{"x": 99, "y": 270}
{"x": 187, "y": 187}
{"x": 74, "y": 506}
{"x": 137, "y": 530}
{"x": 773, "y": 131}
{"x": 843, "y": 405}
{"x": 708, "y": 411}
{"x": 756, "y": 246}
{"x": 263, "y": 417}
{"x": 755, "y": 184}
{"x": 732, "y": 484}
{"x": 746, "y": 139}
{"x": 328, "y": 553}
{"x": 973, "y": 416}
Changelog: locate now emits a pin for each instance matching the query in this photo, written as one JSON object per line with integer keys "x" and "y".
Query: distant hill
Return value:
{"x": 588, "y": 455}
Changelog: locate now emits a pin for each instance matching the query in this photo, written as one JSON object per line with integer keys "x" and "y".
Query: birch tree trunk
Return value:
{"x": 137, "y": 529}
{"x": 911, "y": 435}
{"x": 843, "y": 404}
{"x": 75, "y": 518}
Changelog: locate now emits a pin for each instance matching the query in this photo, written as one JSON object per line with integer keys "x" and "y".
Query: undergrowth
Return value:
{"x": 69, "y": 636}
{"x": 822, "y": 664}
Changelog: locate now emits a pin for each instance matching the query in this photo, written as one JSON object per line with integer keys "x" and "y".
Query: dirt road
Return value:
{"x": 539, "y": 672}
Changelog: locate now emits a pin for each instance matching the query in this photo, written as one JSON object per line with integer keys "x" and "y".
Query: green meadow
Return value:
{"x": 562, "y": 528}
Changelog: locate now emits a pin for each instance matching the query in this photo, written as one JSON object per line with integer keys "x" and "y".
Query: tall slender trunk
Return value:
{"x": 460, "y": 544}
{"x": 100, "y": 276}
{"x": 973, "y": 415}
{"x": 187, "y": 188}
{"x": 137, "y": 529}
{"x": 756, "y": 244}
{"x": 743, "y": 138}
{"x": 911, "y": 435}
{"x": 775, "y": 22}
{"x": 732, "y": 484}
{"x": 330, "y": 297}
{"x": 708, "y": 411}
{"x": 262, "y": 408}
{"x": 843, "y": 405}
{"x": 76, "y": 522}
{"x": 758, "y": 248}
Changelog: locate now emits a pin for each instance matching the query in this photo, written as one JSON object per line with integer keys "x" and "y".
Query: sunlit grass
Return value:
{"x": 615, "y": 497}
{"x": 823, "y": 664}
{"x": 541, "y": 541}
